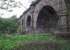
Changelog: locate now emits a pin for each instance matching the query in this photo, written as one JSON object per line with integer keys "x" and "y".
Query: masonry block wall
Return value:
{"x": 45, "y": 16}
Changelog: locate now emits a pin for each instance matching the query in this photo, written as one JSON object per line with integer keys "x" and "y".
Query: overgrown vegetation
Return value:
{"x": 8, "y": 25}
{"x": 8, "y": 42}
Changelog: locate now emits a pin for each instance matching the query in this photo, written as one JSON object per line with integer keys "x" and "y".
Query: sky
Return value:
{"x": 16, "y": 11}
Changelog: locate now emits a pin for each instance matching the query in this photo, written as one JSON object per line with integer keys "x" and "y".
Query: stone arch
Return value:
{"x": 47, "y": 19}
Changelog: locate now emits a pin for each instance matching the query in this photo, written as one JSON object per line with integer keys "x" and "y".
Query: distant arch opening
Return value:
{"x": 47, "y": 19}
{"x": 28, "y": 21}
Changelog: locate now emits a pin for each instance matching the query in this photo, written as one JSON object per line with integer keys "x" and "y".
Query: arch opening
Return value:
{"x": 28, "y": 21}
{"x": 28, "y": 24}
{"x": 47, "y": 19}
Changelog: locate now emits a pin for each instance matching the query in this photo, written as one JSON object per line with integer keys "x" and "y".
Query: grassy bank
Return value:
{"x": 8, "y": 42}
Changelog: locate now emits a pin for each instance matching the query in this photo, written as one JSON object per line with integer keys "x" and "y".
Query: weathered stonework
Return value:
{"x": 56, "y": 21}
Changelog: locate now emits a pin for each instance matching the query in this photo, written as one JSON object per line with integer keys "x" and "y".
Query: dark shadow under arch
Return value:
{"x": 28, "y": 24}
{"x": 28, "y": 21}
{"x": 47, "y": 19}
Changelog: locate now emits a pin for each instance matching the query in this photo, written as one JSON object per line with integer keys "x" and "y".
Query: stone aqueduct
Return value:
{"x": 45, "y": 16}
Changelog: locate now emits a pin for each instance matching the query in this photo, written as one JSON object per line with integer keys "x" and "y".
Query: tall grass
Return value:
{"x": 8, "y": 42}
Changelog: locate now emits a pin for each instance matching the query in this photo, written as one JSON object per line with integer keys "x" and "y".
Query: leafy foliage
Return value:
{"x": 8, "y": 4}
{"x": 8, "y": 25}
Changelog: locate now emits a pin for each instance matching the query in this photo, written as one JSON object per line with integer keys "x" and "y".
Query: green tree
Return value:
{"x": 8, "y": 25}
